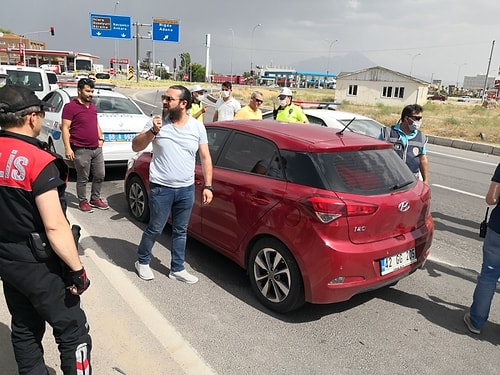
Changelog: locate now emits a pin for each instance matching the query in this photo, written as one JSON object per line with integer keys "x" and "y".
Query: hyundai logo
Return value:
{"x": 404, "y": 206}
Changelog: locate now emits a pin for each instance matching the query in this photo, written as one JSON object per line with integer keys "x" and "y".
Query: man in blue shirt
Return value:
{"x": 409, "y": 142}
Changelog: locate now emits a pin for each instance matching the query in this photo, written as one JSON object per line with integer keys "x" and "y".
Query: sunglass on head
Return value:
{"x": 168, "y": 98}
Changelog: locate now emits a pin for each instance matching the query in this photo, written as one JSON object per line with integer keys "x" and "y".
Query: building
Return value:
{"x": 477, "y": 83}
{"x": 18, "y": 50}
{"x": 378, "y": 85}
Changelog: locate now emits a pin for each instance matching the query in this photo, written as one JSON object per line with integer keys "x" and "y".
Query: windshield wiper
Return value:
{"x": 400, "y": 186}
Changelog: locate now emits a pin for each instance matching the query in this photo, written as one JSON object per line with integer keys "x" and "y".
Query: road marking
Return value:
{"x": 461, "y": 158}
{"x": 173, "y": 342}
{"x": 459, "y": 191}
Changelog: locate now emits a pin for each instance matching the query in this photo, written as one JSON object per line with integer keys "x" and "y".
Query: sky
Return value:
{"x": 428, "y": 39}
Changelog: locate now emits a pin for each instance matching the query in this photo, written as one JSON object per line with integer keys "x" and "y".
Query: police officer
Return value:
{"x": 287, "y": 111}
{"x": 409, "y": 142}
{"x": 40, "y": 268}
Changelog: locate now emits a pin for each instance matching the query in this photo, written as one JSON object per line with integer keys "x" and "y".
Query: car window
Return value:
{"x": 365, "y": 172}
{"x": 363, "y": 126}
{"x": 216, "y": 139}
{"x": 245, "y": 152}
{"x": 102, "y": 76}
{"x": 52, "y": 78}
{"x": 54, "y": 102}
{"x": 300, "y": 169}
{"x": 21, "y": 77}
{"x": 107, "y": 104}
{"x": 315, "y": 120}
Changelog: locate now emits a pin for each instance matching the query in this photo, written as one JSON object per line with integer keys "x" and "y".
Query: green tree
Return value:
{"x": 197, "y": 72}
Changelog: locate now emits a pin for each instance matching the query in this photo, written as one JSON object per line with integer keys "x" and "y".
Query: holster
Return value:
{"x": 40, "y": 245}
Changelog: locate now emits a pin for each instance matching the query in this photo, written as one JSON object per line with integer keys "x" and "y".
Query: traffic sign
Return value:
{"x": 110, "y": 26}
{"x": 166, "y": 30}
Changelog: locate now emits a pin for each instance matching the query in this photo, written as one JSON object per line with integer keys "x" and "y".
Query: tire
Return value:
{"x": 137, "y": 199}
{"x": 275, "y": 276}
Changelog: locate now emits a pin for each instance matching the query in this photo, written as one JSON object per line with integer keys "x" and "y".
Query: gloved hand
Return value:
{"x": 78, "y": 281}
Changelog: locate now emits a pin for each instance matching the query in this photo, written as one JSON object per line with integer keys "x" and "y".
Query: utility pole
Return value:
{"x": 137, "y": 37}
{"x": 488, "y": 71}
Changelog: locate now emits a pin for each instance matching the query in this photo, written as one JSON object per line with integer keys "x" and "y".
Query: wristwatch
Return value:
{"x": 152, "y": 130}
{"x": 209, "y": 187}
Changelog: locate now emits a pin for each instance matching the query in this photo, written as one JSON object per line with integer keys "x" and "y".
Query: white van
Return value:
{"x": 39, "y": 80}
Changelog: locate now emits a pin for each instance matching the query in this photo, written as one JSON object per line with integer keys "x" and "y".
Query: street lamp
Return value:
{"x": 329, "y": 56}
{"x": 232, "y": 49}
{"x": 412, "y": 59}
{"x": 458, "y": 73}
{"x": 251, "y": 50}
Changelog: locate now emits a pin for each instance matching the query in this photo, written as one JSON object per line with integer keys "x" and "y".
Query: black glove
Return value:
{"x": 79, "y": 280}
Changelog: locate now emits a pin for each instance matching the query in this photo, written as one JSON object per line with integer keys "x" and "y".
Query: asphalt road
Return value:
{"x": 414, "y": 327}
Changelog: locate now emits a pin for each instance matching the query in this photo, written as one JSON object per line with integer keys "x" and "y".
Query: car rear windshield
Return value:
{"x": 364, "y": 172}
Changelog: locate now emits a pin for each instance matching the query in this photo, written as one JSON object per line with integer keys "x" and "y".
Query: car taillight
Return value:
{"x": 328, "y": 209}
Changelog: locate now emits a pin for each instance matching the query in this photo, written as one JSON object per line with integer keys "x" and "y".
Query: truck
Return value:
{"x": 39, "y": 80}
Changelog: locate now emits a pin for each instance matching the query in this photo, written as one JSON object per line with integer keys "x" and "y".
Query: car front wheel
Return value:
{"x": 275, "y": 276}
{"x": 137, "y": 199}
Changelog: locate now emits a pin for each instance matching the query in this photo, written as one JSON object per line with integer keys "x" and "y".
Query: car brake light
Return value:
{"x": 328, "y": 209}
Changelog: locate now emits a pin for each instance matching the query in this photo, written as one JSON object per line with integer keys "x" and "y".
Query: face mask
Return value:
{"x": 225, "y": 94}
{"x": 415, "y": 125}
{"x": 283, "y": 103}
{"x": 200, "y": 97}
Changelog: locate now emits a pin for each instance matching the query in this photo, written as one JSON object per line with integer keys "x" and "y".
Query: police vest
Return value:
{"x": 410, "y": 153}
{"x": 23, "y": 159}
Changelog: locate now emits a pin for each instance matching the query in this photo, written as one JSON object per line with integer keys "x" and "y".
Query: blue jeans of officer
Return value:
{"x": 164, "y": 201}
{"x": 487, "y": 279}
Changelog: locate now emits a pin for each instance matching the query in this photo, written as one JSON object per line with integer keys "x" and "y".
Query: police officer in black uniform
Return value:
{"x": 40, "y": 268}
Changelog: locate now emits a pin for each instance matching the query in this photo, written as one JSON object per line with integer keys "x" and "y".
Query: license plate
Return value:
{"x": 119, "y": 137}
{"x": 395, "y": 262}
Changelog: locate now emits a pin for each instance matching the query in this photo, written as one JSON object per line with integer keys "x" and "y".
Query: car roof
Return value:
{"x": 302, "y": 137}
{"x": 337, "y": 115}
{"x": 73, "y": 92}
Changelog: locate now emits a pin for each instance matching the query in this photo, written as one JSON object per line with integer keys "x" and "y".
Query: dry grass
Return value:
{"x": 450, "y": 119}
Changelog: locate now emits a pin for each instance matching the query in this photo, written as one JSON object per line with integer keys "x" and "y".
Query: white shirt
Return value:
{"x": 226, "y": 110}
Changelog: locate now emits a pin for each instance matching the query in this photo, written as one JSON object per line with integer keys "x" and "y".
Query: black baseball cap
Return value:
{"x": 15, "y": 98}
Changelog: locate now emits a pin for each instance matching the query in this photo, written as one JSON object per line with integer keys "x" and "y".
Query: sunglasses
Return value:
{"x": 416, "y": 118}
{"x": 168, "y": 98}
{"x": 259, "y": 101}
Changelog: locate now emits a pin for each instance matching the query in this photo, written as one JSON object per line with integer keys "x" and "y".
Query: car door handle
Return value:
{"x": 259, "y": 201}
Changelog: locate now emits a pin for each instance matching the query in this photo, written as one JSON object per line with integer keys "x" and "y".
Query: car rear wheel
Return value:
{"x": 137, "y": 199}
{"x": 275, "y": 276}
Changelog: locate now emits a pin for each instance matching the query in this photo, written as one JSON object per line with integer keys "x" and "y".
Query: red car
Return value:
{"x": 312, "y": 214}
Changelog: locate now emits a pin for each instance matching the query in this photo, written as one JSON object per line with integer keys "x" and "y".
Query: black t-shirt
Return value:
{"x": 494, "y": 221}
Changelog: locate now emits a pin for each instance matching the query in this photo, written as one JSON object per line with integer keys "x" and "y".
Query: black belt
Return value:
{"x": 73, "y": 147}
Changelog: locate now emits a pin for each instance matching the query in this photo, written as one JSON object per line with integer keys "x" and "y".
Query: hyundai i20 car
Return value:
{"x": 312, "y": 215}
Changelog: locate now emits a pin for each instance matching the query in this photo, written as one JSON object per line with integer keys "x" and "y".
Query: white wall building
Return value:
{"x": 378, "y": 85}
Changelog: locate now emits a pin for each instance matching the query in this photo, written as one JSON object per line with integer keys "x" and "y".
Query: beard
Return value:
{"x": 175, "y": 114}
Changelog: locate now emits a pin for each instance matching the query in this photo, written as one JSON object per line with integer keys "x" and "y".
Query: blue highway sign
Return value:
{"x": 110, "y": 26}
{"x": 166, "y": 30}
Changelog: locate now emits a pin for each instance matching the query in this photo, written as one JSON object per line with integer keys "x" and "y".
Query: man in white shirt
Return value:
{"x": 226, "y": 106}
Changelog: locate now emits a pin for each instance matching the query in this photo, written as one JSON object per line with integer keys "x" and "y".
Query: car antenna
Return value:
{"x": 341, "y": 132}
{"x": 154, "y": 103}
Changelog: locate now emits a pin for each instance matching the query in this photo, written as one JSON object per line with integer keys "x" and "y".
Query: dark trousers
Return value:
{"x": 35, "y": 294}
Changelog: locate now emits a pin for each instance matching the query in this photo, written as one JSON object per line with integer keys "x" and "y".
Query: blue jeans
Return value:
{"x": 164, "y": 200}
{"x": 487, "y": 279}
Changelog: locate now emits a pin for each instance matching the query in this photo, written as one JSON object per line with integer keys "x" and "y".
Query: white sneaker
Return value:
{"x": 144, "y": 271}
{"x": 183, "y": 276}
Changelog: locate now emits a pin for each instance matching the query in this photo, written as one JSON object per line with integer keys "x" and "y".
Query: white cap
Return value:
{"x": 285, "y": 91}
{"x": 196, "y": 88}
